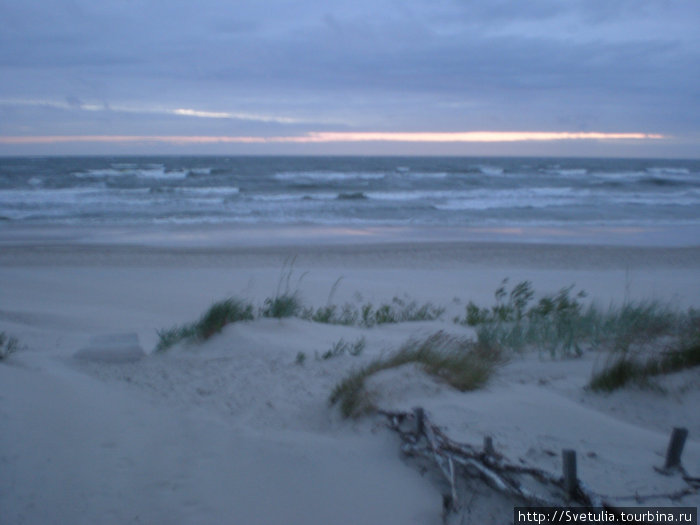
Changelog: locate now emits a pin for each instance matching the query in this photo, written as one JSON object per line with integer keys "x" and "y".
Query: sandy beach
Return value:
{"x": 237, "y": 430}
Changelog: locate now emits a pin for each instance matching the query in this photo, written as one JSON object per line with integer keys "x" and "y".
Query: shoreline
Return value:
{"x": 440, "y": 254}
{"x": 252, "y": 235}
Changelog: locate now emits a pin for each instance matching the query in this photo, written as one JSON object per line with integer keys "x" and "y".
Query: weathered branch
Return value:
{"x": 421, "y": 438}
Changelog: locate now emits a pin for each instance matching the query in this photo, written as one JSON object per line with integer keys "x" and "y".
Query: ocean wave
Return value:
{"x": 619, "y": 176}
{"x": 184, "y": 191}
{"x": 325, "y": 176}
{"x": 660, "y": 181}
{"x": 553, "y": 199}
{"x": 17, "y": 197}
{"x": 668, "y": 170}
{"x": 103, "y": 172}
{"x": 657, "y": 178}
{"x": 516, "y": 193}
{"x": 679, "y": 198}
{"x": 425, "y": 175}
{"x": 161, "y": 173}
{"x": 411, "y": 195}
{"x": 490, "y": 204}
{"x": 567, "y": 172}
{"x": 487, "y": 169}
{"x": 446, "y": 191}
{"x": 286, "y": 197}
{"x": 199, "y": 172}
{"x": 148, "y": 172}
{"x": 516, "y": 199}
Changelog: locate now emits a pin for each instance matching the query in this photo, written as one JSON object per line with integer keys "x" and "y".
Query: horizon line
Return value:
{"x": 316, "y": 137}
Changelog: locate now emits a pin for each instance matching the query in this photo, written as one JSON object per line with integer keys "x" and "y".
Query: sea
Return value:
{"x": 360, "y": 191}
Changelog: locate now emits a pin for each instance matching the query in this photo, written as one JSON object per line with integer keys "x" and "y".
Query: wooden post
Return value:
{"x": 419, "y": 414}
{"x": 675, "y": 448}
{"x": 488, "y": 446}
{"x": 568, "y": 457}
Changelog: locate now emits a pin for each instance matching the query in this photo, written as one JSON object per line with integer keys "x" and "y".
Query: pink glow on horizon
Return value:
{"x": 342, "y": 136}
{"x": 473, "y": 136}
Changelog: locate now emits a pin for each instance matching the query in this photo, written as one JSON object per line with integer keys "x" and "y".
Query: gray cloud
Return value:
{"x": 440, "y": 65}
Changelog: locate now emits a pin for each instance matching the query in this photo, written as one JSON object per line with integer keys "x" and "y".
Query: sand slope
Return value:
{"x": 235, "y": 431}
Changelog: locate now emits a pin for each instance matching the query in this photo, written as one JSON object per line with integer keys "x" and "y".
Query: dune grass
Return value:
{"x": 367, "y": 315}
{"x": 342, "y": 347}
{"x": 644, "y": 338}
{"x": 625, "y": 369}
{"x": 563, "y": 326}
{"x": 285, "y": 305}
{"x": 8, "y": 345}
{"x": 625, "y": 366}
{"x": 460, "y": 362}
{"x": 210, "y": 323}
{"x": 559, "y": 324}
{"x": 286, "y": 301}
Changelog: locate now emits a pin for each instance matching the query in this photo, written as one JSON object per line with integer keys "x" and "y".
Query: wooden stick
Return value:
{"x": 568, "y": 457}
{"x": 419, "y": 414}
{"x": 488, "y": 446}
{"x": 675, "y": 448}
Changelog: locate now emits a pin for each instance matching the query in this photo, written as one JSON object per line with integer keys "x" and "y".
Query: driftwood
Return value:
{"x": 528, "y": 486}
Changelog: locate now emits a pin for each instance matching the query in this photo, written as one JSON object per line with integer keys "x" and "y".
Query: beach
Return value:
{"x": 239, "y": 429}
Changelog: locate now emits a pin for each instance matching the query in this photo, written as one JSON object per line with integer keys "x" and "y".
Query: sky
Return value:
{"x": 434, "y": 77}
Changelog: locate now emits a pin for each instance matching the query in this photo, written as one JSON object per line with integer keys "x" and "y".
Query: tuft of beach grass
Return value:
{"x": 562, "y": 325}
{"x": 368, "y": 315}
{"x": 286, "y": 301}
{"x": 643, "y": 338}
{"x": 460, "y": 362}
{"x": 341, "y": 347}
{"x": 625, "y": 366}
{"x": 218, "y": 315}
{"x": 285, "y": 305}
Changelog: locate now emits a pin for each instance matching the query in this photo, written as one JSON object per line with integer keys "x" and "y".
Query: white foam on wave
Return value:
{"x": 200, "y": 171}
{"x": 668, "y": 170}
{"x": 676, "y": 198}
{"x": 568, "y": 172}
{"x": 409, "y": 195}
{"x": 555, "y": 197}
{"x": 432, "y": 195}
{"x": 161, "y": 173}
{"x": 151, "y": 171}
{"x": 48, "y": 196}
{"x": 676, "y": 175}
{"x": 103, "y": 172}
{"x": 488, "y": 169}
{"x": 522, "y": 198}
{"x": 325, "y": 176}
{"x": 426, "y": 175}
{"x": 619, "y": 175}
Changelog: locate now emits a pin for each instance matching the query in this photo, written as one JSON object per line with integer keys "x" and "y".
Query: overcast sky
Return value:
{"x": 263, "y": 76}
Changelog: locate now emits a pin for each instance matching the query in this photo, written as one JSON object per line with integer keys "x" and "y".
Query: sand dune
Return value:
{"x": 235, "y": 430}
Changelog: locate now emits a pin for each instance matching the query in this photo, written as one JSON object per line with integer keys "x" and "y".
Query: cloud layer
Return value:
{"x": 282, "y": 69}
